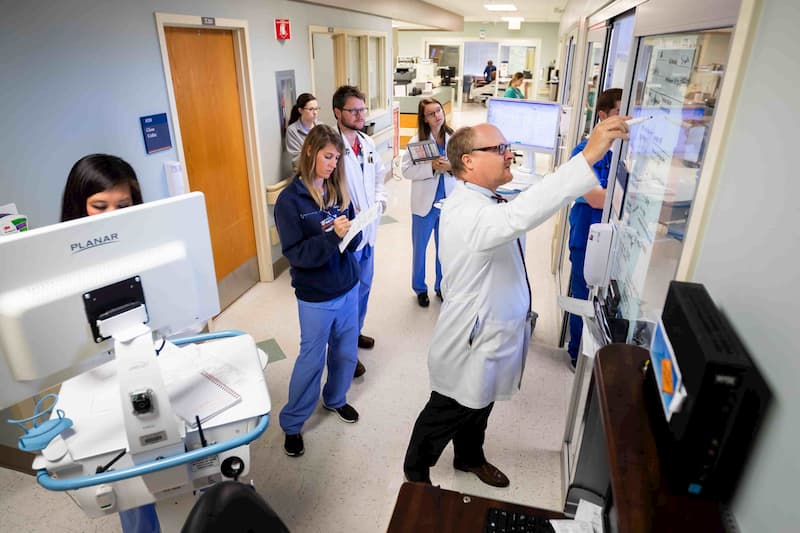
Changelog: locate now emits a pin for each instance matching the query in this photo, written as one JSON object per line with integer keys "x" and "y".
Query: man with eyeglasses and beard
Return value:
{"x": 364, "y": 171}
{"x": 480, "y": 340}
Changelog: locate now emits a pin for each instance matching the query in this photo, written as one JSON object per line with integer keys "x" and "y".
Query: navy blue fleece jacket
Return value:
{"x": 319, "y": 271}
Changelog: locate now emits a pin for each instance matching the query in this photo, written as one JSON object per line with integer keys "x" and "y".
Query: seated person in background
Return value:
{"x": 587, "y": 210}
{"x": 490, "y": 72}
{"x": 99, "y": 183}
{"x": 302, "y": 118}
{"x": 513, "y": 90}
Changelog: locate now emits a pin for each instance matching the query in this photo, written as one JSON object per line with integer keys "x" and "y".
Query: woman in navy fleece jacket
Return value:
{"x": 312, "y": 216}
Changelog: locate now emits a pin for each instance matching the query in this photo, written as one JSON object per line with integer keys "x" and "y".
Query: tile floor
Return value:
{"x": 349, "y": 477}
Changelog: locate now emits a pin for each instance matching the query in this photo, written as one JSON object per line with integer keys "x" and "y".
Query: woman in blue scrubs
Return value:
{"x": 312, "y": 216}
{"x": 431, "y": 182}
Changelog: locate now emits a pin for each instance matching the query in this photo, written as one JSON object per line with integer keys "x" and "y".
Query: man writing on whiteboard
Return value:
{"x": 480, "y": 340}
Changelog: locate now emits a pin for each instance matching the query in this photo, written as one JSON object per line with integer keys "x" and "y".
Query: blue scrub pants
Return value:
{"x": 421, "y": 228}
{"x": 366, "y": 262}
{"x": 332, "y": 325}
{"x": 140, "y": 519}
{"x": 579, "y": 289}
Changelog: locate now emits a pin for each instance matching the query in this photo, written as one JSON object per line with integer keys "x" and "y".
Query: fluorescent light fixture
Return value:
{"x": 500, "y": 7}
{"x": 514, "y": 23}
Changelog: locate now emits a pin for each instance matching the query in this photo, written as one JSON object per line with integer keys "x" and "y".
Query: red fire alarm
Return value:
{"x": 283, "y": 30}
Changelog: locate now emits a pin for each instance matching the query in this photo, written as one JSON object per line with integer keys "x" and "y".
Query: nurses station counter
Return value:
{"x": 410, "y": 104}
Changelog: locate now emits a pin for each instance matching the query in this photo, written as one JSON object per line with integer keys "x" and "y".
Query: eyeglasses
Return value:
{"x": 500, "y": 148}
{"x": 311, "y": 108}
{"x": 432, "y": 113}
{"x": 359, "y": 111}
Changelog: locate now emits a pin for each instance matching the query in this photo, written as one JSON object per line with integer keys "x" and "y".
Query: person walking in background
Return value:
{"x": 480, "y": 341}
{"x": 431, "y": 182}
{"x": 588, "y": 210}
{"x": 365, "y": 172}
{"x": 513, "y": 90}
{"x": 312, "y": 216}
{"x": 302, "y": 118}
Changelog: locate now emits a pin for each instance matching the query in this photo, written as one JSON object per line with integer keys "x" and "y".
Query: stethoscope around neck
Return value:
{"x": 347, "y": 149}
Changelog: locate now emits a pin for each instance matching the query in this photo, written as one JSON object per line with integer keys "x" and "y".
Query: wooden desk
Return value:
{"x": 422, "y": 508}
{"x": 643, "y": 500}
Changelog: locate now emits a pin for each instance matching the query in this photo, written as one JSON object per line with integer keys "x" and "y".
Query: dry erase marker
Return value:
{"x": 635, "y": 121}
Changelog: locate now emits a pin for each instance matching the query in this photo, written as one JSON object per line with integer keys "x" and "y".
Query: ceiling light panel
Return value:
{"x": 500, "y": 7}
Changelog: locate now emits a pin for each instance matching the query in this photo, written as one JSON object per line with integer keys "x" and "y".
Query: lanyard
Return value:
{"x": 500, "y": 200}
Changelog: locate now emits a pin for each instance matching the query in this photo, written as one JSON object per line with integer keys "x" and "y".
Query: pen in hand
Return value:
{"x": 634, "y": 121}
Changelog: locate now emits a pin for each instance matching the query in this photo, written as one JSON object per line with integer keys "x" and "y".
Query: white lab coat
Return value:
{"x": 480, "y": 341}
{"x": 424, "y": 181}
{"x": 365, "y": 186}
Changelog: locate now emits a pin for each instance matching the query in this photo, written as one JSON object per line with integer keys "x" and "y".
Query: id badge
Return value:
{"x": 327, "y": 223}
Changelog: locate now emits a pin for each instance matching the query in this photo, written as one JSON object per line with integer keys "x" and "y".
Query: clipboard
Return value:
{"x": 423, "y": 151}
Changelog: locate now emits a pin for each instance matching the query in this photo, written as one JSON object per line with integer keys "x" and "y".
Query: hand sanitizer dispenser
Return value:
{"x": 600, "y": 249}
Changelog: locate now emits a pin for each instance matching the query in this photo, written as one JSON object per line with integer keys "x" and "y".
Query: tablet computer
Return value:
{"x": 423, "y": 151}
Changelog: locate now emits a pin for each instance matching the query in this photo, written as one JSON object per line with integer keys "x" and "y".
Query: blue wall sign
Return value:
{"x": 156, "y": 133}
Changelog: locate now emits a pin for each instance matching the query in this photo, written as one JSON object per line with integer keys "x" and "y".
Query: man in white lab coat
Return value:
{"x": 480, "y": 341}
{"x": 364, "y": 171}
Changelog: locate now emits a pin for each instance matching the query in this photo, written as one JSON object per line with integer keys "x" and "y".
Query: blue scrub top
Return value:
{"x": 582, "y": 215}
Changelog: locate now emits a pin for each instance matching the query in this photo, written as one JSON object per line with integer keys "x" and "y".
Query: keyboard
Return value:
{"x": 502, "y": 521}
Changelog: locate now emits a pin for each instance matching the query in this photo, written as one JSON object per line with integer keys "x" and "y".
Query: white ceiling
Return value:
{"x": 530, "y": 10}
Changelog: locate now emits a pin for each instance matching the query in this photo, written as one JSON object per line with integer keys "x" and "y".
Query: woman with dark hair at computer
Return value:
{"x": 513, "y": 90}
{"x": 98, "y": 183}
{"x": 101, "y": 183}
{"x": 431, "y": 181}
{"x": 312, "y": 216}
{"x": 302, "y": 118}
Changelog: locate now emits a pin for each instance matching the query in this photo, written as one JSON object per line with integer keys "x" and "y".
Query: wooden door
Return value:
{"x": 207, "y": 95}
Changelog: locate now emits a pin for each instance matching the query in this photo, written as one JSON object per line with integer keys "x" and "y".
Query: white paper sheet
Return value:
{"x": 362, "y": 220}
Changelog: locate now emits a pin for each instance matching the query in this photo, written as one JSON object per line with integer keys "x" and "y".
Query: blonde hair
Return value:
{"x": 335, "y": 186}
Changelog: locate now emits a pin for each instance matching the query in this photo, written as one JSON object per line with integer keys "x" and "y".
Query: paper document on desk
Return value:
{"x": 362, "y": 220}
{"x": 198, "y": 386}
{"x": 590, "y": 513}
{"x": 571, "y": 526}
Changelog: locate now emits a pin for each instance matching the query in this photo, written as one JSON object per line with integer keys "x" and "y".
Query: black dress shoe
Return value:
{"x": 439, "y": 295}
{"x": 365, "y": 342}
{"x": 423, "y": 300}
{"x": 417, "y": 477}
{"x": 360, "y": 370}
{"x": 488, "y": 473}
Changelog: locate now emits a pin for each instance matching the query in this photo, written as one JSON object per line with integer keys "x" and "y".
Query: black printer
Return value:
{"x": 705, "y": 443}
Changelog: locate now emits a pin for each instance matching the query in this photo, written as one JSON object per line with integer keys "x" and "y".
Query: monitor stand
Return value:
{"x": 528, "y": 165}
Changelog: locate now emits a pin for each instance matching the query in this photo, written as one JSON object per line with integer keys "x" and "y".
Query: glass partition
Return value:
{"x": 619, "y": 52}
{"x": 676, "y": 83}
{"x": 591, "y": 85}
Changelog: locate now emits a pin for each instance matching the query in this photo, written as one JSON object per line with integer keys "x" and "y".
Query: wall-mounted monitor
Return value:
{"x": 530, "y": 124}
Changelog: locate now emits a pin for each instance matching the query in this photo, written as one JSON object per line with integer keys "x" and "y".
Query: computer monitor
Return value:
{"x": 56, "y": 281}
{"x": 529, "y": 124}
